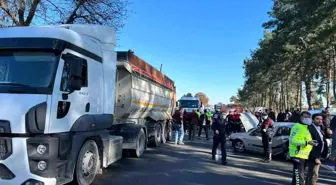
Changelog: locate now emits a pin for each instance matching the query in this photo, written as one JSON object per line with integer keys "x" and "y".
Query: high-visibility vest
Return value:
{"x": 198, "y": 114}
{"x": 298, "y": 141}
{"x": 208, "y": 114}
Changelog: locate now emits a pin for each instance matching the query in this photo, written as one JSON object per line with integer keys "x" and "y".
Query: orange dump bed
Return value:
{"x": 146, "y": 69}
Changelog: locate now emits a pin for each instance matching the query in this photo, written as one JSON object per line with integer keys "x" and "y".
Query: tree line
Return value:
{"x": 295, "y": 61}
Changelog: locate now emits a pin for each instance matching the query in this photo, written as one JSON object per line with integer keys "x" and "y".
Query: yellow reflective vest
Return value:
{"x": 198, "y": 114}
{"x": 208, "y": 114}
{"x": 298, "y": 141}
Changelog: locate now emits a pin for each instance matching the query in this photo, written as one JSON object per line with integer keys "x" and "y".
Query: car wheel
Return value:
{"x": 239, "y": 146}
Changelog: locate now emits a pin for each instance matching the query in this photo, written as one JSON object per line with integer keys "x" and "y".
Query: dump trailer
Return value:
{"x": 69, "y": 108}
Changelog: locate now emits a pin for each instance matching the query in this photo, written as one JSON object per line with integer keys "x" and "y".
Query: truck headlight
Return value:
{"x": 41, "y": 165}
{"x": 41, "y": 149}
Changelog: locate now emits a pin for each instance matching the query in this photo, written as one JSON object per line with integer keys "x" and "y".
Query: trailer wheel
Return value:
{"x": 169, "y": 131}
{"x": 164, "y": 133}
{"x": 141, "y": 144}
{"x": 87, "y": 164}
{"x": 157, "y": 137}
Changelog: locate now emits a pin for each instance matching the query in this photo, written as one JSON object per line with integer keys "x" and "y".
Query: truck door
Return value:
{"x": 67, "y": 106}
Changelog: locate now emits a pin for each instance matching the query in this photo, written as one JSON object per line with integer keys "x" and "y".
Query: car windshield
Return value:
{"x": 189, "y": 103}
{"x": 27, "y": 68}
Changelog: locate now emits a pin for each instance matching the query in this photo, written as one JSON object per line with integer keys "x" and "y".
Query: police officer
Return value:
{"x": 300, "y": 146}
{"x": 219, "y": 128}
{"x": 267, "y": 129}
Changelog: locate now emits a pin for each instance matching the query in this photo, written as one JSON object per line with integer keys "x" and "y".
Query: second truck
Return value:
{"x": 71, "y": 105}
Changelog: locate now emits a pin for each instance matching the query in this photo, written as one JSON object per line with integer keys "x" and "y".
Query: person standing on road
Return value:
{"x": 209, "y": 118}
{"x": 332, "y": 162}
{"x": 300, "y": 146}
{"x": 319, "y": 151}
{"x": 204, "y": 124}
{"x": 179, "y": 132}
{"x": 229, "y": 125}
{"x": 271, "y": 114}
{"x": 326, "y": 117}
{"x": 186, "y": 121}
{"x": 236, "y": 121}
{"x": 219, "y": 137}
{"x": 267, "y": 130}
{"x": 193, "y": 125}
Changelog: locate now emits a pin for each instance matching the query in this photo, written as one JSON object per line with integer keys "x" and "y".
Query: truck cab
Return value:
{"x": 190, "y": 103}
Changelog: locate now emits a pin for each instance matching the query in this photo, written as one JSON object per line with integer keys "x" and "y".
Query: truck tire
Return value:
{"x": 164, "y": 133}
{"x": 157, "y": 137}
{"x": 141, "y": 144}
{"x": 169, "y": 131}
{"x": 87, "y": 164}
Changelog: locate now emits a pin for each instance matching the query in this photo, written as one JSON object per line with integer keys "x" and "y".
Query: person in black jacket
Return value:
{"x": 271, "y": 114}
{"x": 319, "y": 151}
{"x": 219, "y": 137}
{"x": 267, "y": 130}
{"x": 204, "y": 124}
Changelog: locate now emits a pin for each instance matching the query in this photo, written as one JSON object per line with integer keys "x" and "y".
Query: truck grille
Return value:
{"x": 5, "y": 173}
{"x": 5, "y": 146}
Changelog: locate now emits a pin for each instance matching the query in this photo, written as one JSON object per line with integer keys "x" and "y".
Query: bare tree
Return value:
{"x": 38, "y": 12}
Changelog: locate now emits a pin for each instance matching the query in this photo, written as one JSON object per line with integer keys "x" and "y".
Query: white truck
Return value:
{"x": 189, "y": 103}
{"x": 69, "y": 108}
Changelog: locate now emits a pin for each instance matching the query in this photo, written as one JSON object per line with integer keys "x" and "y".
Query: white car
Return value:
{"x": 251, "y": 140}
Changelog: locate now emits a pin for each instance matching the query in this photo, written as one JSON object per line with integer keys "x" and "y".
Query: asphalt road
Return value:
{"x": 191, "y": 164}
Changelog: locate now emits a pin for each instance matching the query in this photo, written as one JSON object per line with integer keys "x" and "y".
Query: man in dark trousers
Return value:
{"x": 267, "y": 129}
{"x": 204, "y": 124}
{"x": 218, "y": 126}
{"x": 271, "y": 114}
{"x": 229, "y": 125}
{"x": 193, "y": 125}
{"x": 319, "y": 151}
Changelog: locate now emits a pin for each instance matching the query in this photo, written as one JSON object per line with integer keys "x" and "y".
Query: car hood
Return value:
{"x": 249, "y": 120}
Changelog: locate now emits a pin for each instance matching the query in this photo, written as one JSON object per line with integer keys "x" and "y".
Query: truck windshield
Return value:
{"x": 189, "y": 103}
{"x": 27, "y": 68}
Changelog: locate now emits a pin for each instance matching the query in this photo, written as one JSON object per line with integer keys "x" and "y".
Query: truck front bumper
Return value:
{"x": 17, "y": 164}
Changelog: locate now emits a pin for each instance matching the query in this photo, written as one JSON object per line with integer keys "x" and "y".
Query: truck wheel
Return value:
{"x": 157, "y": 137}
{"x": 164, "y": 133}
{"x": 141, "y": 144}
{"x": 87, "y": 163}
{"x": 169, "y": 131}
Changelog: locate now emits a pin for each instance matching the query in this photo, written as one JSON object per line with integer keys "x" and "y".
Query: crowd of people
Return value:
{"x": 221, "y": 124}
{"x": 307, "y": 141}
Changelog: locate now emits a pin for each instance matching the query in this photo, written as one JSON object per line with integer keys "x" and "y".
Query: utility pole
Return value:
{"x": 161, "y": 68}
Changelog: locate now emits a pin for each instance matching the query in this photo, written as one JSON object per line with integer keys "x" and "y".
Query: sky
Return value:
{"x": 201, "y": 44}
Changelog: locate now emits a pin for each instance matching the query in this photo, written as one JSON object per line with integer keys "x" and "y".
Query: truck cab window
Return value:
{"x": 66, "y": 75}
